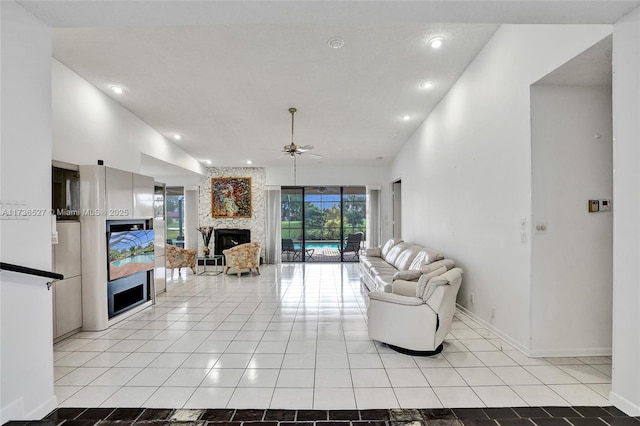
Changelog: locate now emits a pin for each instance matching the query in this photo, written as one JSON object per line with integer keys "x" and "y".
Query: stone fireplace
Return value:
{"x": 227, "y": 238}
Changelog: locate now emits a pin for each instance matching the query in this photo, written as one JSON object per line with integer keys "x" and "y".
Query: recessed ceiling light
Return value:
{"x": 177, "y": 136}
{"x": 249, "y": 162}
{"x": 335, "y": 43}
{"x": 118, "y": 90}
{"x": 208, "y": 161}
{"x": 426, "y": 85}
{"x": 436, "y": 42}
{"x": 406, "y": 117}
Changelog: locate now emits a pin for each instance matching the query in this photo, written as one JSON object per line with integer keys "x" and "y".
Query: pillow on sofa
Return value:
{"x": 408, "y": 275}
{"x": 388, "y": 246}
{"x": 447, "y": 263}
{"x": 405, "y": 258}
{"x": 425, "y": 257}
{"x": 395, "y": 252}
{"x": 415, "y": 288}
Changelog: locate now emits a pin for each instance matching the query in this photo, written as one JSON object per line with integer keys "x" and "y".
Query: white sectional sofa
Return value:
{"x": 413, "y": 296}
{"x": 396, "y": 259}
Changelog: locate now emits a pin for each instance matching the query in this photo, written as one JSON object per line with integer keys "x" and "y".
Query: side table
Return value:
{"x": 216, "y": 260}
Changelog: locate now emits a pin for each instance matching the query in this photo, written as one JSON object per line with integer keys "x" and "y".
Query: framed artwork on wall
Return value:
{"x": 231, "y": 197}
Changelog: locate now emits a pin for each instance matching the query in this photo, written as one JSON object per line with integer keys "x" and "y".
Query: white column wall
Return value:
{"x": 466, "y": 171}
{"x": 625, "y": 392}
{"x": 26, "y": 351}
{"x": 572, "y": 260}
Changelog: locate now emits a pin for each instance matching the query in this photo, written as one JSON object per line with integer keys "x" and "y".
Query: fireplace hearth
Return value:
{"x": 227, "y": 238}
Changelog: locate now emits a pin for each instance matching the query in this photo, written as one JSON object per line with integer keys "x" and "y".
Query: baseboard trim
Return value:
{"x": 537, "y": 353}
{"x": 44, "y": 409}
{"x": 15, "y": 410}
{"x": 517, "y": 345}
{"x": 551, "y": 353}
{"x": 12, "y": 411}
{"x": 624, "y": 404}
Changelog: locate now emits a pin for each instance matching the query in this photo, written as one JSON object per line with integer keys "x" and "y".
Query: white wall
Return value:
{"x": 89, "y": 126}
{"x": 466, "y": 172}
{"x": 625, "y": 392}
{"x": 26, "y": 351}
{"x": 572, "y": 261}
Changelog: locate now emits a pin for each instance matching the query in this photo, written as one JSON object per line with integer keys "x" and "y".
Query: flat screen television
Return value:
{"x": 130, "y": 252}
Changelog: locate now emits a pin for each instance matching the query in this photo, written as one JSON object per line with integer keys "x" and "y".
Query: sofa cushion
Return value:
{"x": 383, "y": 280}
{"x": 405, "y": 257}
{"x": 395, "y": 251}
{"x": 373, "y": 252}
{"x": 447, "y": 263}
{"x": 408, "y": 275}
{"x": 425, "y": 257}
{"x": 388, "y": 246}
{"x": 383, "y": 270}
{"x": 370, "y": 262}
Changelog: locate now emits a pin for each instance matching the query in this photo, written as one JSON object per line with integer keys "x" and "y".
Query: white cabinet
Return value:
{"x": 67, "y": 293}
{"x": 118, "y": 194}
{"x": 143, "y": 187}
{"x": 114, "y": 195}
{"x": 68, "y": 305}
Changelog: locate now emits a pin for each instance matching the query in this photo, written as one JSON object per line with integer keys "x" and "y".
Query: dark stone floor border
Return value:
{"x": 510, "y": 416}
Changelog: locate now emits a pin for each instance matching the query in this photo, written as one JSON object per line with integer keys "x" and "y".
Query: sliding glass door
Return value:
{"x": 323, "y": 223}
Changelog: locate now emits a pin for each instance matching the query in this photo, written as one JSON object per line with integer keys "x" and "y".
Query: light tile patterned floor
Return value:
{"x": 295, "y": 337}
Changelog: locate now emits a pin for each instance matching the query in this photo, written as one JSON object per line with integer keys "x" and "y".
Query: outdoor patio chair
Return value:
{"x": 289, "y": 248}
{"x": 353, "y": 244}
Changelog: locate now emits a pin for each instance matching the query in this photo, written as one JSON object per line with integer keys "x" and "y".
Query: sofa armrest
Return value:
{"x": 408, "y": 275}
{"x": 395, "y": 298}
{"x": 373, "y": 252}
{"x": 405, "y": 288}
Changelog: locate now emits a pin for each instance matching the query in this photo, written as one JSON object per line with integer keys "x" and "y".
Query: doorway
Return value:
{"x": 396, "y": 193}
{"x": 323, "y": 223}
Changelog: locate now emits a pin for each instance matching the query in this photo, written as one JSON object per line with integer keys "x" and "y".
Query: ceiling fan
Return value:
{"x": 292, "y": 149}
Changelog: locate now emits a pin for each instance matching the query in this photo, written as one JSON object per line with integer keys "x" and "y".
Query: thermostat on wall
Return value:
{"x": 599, "y": 206}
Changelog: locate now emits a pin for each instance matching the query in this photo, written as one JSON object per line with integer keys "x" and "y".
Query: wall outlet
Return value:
{"x": 472, "y": 297}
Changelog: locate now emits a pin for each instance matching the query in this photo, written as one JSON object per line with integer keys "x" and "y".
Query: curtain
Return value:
{"x": 273, "y": 231}
{"x": 373, "y": 216}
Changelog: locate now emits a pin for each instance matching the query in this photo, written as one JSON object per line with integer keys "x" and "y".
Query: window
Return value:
{"x": 175, "y": 216}
{"x": 318, "y": 220}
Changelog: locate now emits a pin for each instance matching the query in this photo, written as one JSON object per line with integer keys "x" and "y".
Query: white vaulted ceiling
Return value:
{"x": 223, "y": 74}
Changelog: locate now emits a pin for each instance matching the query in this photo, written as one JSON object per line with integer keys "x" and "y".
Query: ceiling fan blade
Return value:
{"x": 305, "y": 148}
